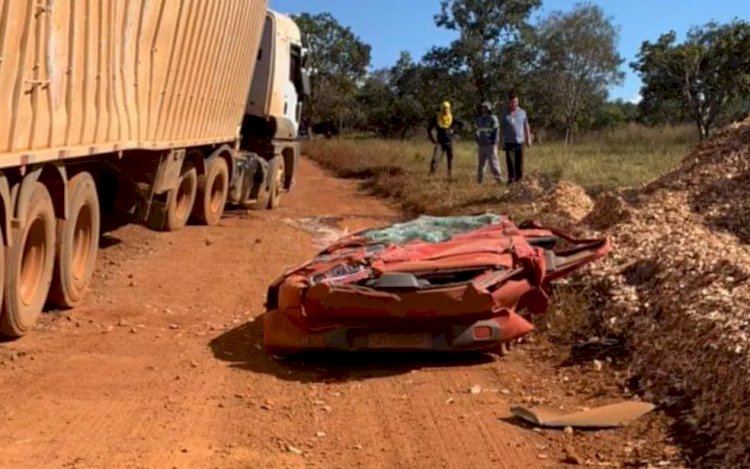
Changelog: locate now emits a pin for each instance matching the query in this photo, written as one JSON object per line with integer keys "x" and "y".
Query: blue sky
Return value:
{"x": 391, "y": 26}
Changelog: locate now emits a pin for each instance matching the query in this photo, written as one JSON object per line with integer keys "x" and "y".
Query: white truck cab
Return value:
{"x": 273, "y": 113}
{"x": 280, "y": 81}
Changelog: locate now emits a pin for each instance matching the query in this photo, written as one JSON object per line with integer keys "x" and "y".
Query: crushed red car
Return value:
{"x": 434, "y": 283}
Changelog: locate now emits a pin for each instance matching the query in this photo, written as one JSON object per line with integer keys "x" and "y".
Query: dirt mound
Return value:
{"x": 716, "y": 175}
{"x": 526, "y": 190}
{"x": 568, "y": 200}
{"x": 609, "y": 209}
{"x": 677, "y": 286}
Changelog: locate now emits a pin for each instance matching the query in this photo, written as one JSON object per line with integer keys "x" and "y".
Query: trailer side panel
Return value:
{"x": 81, "y": 77}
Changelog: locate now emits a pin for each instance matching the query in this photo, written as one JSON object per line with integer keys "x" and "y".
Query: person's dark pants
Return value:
{"x": 514, "y": 161}
{"x": 437, "y": 156}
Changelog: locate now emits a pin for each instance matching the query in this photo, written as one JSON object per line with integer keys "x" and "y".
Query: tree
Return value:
{"x": 407, "y": 83}
{"x": 707, "y": 76}
{"x": 389, "y": 99}
{"x": 485, "y": 27}
{"x": 338, "y": 61}
{"x": 578, "y": 62}
{"x": 613, "y": 114}
{"x": 376, "y": 99}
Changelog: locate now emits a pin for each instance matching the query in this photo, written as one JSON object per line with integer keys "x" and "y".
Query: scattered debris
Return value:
{"x": 609, "y": 416}
{"x": 476, "y": 389}
{"x": 572, "y": 458}
{"x": 324, "y": 228}
{"x": 597, "y": 348}
{"x": 294, "y": 450}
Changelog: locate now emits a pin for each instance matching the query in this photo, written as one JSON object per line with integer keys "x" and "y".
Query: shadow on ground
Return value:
{"x": 242, "y": 348}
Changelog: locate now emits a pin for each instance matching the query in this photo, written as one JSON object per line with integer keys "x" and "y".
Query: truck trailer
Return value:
{"x": 166, "y": 110}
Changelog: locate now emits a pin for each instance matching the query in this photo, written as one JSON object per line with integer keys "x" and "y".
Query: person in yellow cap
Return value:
{"x": 443, "y": 123}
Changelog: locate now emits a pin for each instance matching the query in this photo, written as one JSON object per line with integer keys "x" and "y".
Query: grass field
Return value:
{"x": 398, "y": 170}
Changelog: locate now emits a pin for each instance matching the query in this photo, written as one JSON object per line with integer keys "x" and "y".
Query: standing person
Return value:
{"x": 443, "y": 123}
{"x": 516, "y": 132}
{"x": 488, "y": 130}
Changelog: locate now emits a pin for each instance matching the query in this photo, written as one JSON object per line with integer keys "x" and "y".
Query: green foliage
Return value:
{"x": 613, "y": 114}
{"x": 706, "y": 78}
{"x": 389, "y": 101}
{"x": 338, "y": 60}
{"x": 486, "y": 28}
{"x": 577, "y": 62}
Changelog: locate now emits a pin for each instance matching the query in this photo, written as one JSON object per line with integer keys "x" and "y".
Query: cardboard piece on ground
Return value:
{"x": 609, "y": 416}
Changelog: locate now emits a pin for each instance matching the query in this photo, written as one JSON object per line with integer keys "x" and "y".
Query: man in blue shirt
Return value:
{"x": 488, "y": 130}
{"x": 516, "y": 133}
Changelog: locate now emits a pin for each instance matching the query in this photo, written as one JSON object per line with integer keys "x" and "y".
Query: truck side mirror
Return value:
{"x": 305, "y": 82}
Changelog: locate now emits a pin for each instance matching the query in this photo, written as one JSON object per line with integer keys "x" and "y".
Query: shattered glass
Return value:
{"x": 430, "y": 229}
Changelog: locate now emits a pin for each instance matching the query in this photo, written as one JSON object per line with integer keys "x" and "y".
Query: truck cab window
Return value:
{"x": 295, "y": 67}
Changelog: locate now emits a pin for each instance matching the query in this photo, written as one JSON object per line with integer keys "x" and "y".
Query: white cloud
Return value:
{"x": 635, "y": 99}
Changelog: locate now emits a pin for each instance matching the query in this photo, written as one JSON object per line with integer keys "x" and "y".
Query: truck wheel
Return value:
{"x": 2, "y": 274}
{"x": 277, "y": 176}
{"x": 182, "y": 199}
{"x": 77, "y": 243}
{"x": 29, "y": 266}
{"x": 212, "y": 192}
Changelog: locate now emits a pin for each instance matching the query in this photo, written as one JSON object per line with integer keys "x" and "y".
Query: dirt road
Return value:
{"x": 162, "y": 368}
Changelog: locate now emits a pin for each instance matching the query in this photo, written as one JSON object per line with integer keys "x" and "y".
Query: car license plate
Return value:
{"x": 419, "y": 340}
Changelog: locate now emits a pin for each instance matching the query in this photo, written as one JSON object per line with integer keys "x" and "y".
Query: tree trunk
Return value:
{"x": 702, "y": 129}
{"x": 403, "y": 133}
{"x": 568, "y": 133}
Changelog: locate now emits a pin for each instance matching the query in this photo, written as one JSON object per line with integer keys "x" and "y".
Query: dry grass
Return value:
{"x": 398, "y": 170}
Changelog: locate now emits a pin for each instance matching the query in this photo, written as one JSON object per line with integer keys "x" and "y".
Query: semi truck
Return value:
{"x": 166, "y": 110}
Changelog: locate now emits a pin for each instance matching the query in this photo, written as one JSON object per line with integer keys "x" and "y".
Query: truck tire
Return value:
{"x": 2, "y": 274}
{"x": 182, "y": 200}
{"x": 29, "y": 265}
{"x": 77, "y": 243}
{"x": 213, "y": 189}
{"x": 277, "y": 175}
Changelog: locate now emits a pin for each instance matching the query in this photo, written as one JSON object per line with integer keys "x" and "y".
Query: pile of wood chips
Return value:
{"x": 567, "y": 199}
{"x": 677, "y": 286}
{"x": 527, "y": 190}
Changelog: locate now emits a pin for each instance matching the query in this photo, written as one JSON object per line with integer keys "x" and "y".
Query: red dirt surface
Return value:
{"x": 162, "y": 368}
